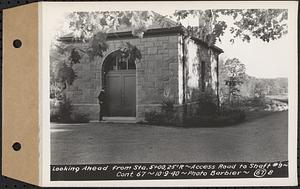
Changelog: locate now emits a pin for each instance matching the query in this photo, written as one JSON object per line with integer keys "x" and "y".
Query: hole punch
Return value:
{"x": 16, "y": 146}
{"x": 17, "y": 43}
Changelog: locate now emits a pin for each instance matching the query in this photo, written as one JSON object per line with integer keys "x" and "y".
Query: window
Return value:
{"x": 118, "y": 61}
{"x": 123, "y": 63}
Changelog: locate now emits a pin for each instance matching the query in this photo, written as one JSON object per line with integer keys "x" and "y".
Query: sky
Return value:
{"x": 262, "y": 59}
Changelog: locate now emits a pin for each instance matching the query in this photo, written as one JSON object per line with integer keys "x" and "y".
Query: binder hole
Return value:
{"x": 17, "y": 43}
{"x": 16, "y": 146}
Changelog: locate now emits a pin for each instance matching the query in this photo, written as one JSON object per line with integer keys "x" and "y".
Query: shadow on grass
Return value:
{"x": 250, "y": 116}
{"x": 253, "y": 115}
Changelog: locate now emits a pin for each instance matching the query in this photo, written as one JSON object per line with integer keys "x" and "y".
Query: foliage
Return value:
{"x": 91, "y": 29}
{"x": 264, "y": 24}
{"x": 253, "y": 86}
{"x": 80, "y": 118}
{"x": 234, "y": 68}
{"x": 167, "y": 114}
{"x": 86, "y": 24}
{"x": 131, "y": 51}
{"x": 207, "y": 104}
{"x": 97, "y": 45}
{"x": 259, "y": 102}
{"x": 208, "y": 114}
{"x": 209, "y": 28}
{"x": 74, "y": 57}
{"x": 216, "y": 120}
{"x": 64, "y": 113}
{"x": 234, "y": 76}
{"x": 66, "y": 75}
{"x": 154, "y": 117}
{"x": 168, "y": 108}
{"x": 259, "y": 91}
{"x": 223, "y": 116}
{"x": 168, "y": 111}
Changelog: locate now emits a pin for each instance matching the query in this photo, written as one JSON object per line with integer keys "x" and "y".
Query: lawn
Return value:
{"x": 259, "y": 139}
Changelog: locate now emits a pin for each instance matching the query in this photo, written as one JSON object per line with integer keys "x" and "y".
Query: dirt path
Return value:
{"x": 263, "y": 139}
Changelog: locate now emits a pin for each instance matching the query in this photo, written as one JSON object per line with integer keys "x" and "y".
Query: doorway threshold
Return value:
{"x": 119, "y": 119}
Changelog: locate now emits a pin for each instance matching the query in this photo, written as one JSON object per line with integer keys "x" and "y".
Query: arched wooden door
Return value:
{"x": 120, "y": 84}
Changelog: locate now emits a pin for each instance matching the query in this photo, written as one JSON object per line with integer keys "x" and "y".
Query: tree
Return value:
{"x": 235, "y": 73}
{"x": 264, "y": 24}
{"x": 91, "y": 28}
{"x": 259, "y": 90}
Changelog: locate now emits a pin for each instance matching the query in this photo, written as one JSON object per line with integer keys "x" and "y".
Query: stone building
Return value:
{"x": 172, "y": 66}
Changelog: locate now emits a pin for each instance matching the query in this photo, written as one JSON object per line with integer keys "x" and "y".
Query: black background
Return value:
{"x": 10, "y": 183}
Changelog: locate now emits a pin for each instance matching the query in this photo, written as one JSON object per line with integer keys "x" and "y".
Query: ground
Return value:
{"x": 259, "y": 140}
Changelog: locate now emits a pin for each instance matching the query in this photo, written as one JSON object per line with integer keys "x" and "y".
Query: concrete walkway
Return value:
{"x": 264, "y": 139}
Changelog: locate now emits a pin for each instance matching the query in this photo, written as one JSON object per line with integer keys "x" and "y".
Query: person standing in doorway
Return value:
{"x": 101, "y": 104}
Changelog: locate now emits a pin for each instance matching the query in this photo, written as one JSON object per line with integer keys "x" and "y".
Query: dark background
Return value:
{"x": 10, "y": 183}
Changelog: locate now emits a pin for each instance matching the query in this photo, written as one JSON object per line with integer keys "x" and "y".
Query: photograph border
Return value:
{"x": 46, "y": 8}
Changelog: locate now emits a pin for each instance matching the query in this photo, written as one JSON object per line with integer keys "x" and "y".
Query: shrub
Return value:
{"x": 168, "y": 112}
{"x": 64, "y": 113}
{"x": 258, "y": 102}
{"x": 65, "y": 110}
{"x": 54, "y": 117}
{"x": 207, "y": 114}
{"x": 154, "y": 117}
{"x": 80, "y": 118}
{"x": 222, "y": 118}
{"x": 166, "y": 116}
{"x": 207, "y": 104}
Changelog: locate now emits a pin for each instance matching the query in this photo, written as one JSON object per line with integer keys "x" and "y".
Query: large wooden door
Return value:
{"x": 121, "y": 93}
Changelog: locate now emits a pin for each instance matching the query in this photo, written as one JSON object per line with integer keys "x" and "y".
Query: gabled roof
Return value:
{"x": 160, "y": 25}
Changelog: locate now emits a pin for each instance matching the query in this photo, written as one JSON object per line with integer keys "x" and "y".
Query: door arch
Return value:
{"x": 119, "y": 81}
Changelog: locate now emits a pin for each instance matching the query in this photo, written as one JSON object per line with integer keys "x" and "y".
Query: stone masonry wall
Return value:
{"x": 195, "y": 54}
{"x": 157, "y": 71}
{"x": 192, "y": 85}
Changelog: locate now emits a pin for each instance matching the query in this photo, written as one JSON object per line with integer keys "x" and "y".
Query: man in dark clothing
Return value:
{"x": 101, "y": 104}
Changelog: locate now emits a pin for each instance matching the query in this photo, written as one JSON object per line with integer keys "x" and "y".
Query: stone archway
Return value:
{"x": 119, "y": 82}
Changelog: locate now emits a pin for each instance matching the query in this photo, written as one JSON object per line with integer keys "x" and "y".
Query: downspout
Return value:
{"x": 218, "y": 98}
{"x": 184, "y": 78}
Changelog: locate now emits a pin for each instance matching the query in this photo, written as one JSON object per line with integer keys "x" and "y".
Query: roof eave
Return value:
{"x": 214, "y": 47}
{"x": 126, "y": 34}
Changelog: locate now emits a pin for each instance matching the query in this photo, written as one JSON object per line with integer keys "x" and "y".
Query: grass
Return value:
{"x": 253, "y": 115}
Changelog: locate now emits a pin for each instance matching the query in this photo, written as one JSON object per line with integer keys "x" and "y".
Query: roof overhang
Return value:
{"x": 128, "y": 34}
{"x": 150, "y": 32}
{"x": 213, "y": 47}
